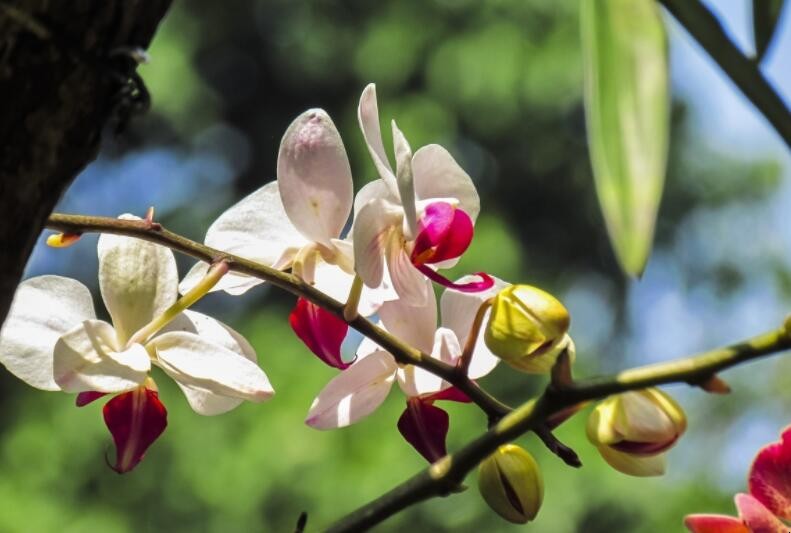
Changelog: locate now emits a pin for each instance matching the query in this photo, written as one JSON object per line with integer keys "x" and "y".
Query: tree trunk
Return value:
{"x": 60, "y": 79}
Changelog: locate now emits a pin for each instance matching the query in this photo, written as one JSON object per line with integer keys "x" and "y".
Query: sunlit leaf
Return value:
{"x": 765, "y": 16}
{"x": 626, "y": 104}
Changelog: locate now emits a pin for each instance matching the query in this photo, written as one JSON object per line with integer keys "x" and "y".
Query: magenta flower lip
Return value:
{"x": 321, "y": 331}
{"x": 135, "y": 419}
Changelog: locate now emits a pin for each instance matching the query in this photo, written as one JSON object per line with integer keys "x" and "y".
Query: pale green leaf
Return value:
{"x": 627, "y": 114}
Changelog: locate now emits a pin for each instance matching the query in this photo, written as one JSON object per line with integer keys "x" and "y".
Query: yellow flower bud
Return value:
{"x": 527, "y": 328}
{"x": 633, "y": 430}
{"x": 511, "y": 483}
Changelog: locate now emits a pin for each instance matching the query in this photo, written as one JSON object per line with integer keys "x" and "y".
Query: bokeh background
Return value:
{"x": 499, "y": 84}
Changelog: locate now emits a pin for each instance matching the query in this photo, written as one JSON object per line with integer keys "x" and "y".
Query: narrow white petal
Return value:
{"x": 408, "y": 281}
{"x": 406, "y": 185}
{"x": 138, "y": 280}
{"x": 413, "y": 324}
{"x": 199, "y": 362}
{"x": 368, "y": 117}
{"x": 372, "y": 229}
{"x": 43, "y": 309}
{"x": 437, "y": 175}
{"x": 354, "y": 393}
{"x": 204, "y": 401}
{"x": 256, "y": 228}
{"x": 89, "y": 357}
{"x": 314, "y": 176}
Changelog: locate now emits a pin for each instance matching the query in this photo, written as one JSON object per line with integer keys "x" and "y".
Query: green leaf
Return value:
{"x": 627, "y": 115}
{"x": 765, "y": 16}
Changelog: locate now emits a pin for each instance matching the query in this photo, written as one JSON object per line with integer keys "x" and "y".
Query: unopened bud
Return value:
{"x": 527, "y": 328}
{"x": 511, "y": 483}
{"x": 632, "y": 430}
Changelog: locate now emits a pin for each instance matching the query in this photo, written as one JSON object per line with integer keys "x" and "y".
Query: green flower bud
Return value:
{"x": 510, "y": 482}
{"x": 527, "y": 328}
{"x": 633, "y": 430}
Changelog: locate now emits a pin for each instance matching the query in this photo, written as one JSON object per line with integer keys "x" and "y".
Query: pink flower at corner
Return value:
{"x": 769, "y": 501}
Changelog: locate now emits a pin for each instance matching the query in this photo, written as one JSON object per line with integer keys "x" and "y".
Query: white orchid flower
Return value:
{"x": 413, "y": 220}
{"x": 296, "y": 221}
{"x": 357, "y": 391}
{"x": 53, "y": 341}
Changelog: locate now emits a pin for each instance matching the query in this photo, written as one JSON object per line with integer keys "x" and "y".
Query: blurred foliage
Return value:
{"x": 499, "y": 84}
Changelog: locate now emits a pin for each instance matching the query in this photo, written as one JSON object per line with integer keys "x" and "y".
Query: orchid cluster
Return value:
{"x": 414, "y": 220}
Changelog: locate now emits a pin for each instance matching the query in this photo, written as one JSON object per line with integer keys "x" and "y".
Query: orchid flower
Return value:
{"x": 53, "y": 341}
{"x": 357, "y": 391}
{"x": 413, "y": 220}
{"x": 296, "y": 221}
{"x": 769, "y": 501}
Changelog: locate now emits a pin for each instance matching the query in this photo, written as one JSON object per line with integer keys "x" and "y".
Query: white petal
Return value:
{"x": 459, "y": 308}
{"x": 336, "y": 283}
{"x": 203, "y": 401}
{"x": 256, "y": 228}
{"x": 43, "y": 309}
{"x": 415, "y": 381}
{"x": 415, "y": 325}
{"x": 437, "y": 175}
{"x": 368, "y": 117}
{"x": 406, "y": 186}
{"x": 354, "y": 393}
{"x": 314, "y": 176}
{"x": 371, "y": 191}
{"x": 458, "y": 313}
{"x": 89, "y": 357}
{"x": 371, "y": 233}
{"x": 408, "y": 281}
{"x": 138, "y": 280}
{"x": 202, "y": 363}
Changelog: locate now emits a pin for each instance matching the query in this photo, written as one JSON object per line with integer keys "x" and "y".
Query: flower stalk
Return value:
{"x": 215, "y": 274}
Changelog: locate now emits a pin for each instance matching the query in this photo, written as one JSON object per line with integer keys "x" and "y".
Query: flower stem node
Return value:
{"x": 527, "y": 328}
{"x": 511, "y": 483}
{"x": 633, "y": 430}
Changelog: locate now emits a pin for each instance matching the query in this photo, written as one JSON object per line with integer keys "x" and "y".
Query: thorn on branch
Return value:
{"x": 302, "y": 521}
{"x": 149, "y": 221}
{"x": 566, "y": 454}
{"x": 714, "y": 385}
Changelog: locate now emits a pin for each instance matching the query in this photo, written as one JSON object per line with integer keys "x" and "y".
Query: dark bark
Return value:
{"x": 60, "y": 81}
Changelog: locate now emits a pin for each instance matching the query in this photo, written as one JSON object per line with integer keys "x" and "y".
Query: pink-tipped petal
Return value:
{"x": 84, "y": 398}
{"x": 757, "y": 517}
{"x": 451, "y": 394}
{"x": 714, "y": 523}
{"x": 425, "y": 427}
{"x": 444, "y": 232}
{"x": 135, "y": 419}
{"x": 770, "y": 476}
{"x": 321, "y": 331}
{"x": 485, "y": 283}
{"x": 314, "y": 177}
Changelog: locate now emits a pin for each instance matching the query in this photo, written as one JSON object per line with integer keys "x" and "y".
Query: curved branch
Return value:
{"x": 441, "y": 477}
{"x": 744, "y": 72}
{"x": 402, "y": 352}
